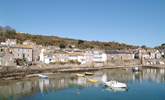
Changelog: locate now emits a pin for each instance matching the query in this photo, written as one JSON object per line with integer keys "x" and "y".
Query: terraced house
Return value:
{"x": 12, "y": 51}
{"x": 119, "y": 55}
{"x": 18, "y": 51}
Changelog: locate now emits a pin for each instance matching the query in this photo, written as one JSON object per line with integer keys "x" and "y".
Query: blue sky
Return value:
{"x": 138, "y": 22}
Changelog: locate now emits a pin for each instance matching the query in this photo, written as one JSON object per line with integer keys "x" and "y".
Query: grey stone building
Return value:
{"x": 18, "y": 51}
{"x": 36, "y": 49}
{"x": 119, "y": 55}
{"x": 6, "y": 59}
{"x": 22, "y": 51}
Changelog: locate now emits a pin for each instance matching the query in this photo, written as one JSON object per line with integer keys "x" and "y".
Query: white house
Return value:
{"x": 149, "y": 54}
{"x": 11, "y": 42}
{"x": 42, "y": 55}
{"x": 99, "y": 57}
{"x": 28, "y": 42}
{"x": 49, "y": 59}
{"x": 79, "y": 58}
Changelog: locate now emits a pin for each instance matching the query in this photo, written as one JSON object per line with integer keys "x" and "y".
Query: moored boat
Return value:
{"x": 115, "y": 84}
{"x": 42, "y": 76}
{"x": 136, "y": 69}
{"x": 88, "y": 73}
{"x": 116, "y": 89}
{"x": 80, "y": 75}
{"x": 92, "y": 80}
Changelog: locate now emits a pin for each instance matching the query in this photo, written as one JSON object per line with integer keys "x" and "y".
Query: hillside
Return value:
{"x": 8, "y": 32}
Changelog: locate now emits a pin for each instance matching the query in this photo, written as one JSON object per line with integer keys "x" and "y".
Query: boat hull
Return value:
{"x": 116, "y": 89}
{"x": 92, "y": 80}
{"x": 88, "y": 73}
{"x": 115, "y": 84}
{"x": 42, "y": 76}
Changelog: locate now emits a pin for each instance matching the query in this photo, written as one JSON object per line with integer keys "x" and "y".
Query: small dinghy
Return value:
{"x": 92, "y": 80}
{"x": 42, "y": 76}
{"x": 88, "y": 73}
{"x": 116, "y": 89}
{"x": 115, "y": 84}
{"x": 136, "y": 69}
{"x": 80, "y": 75}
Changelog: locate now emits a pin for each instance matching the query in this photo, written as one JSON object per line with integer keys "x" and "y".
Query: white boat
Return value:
{"x": 115, "y": 84}
{"x": 88, "y": 73}
{"x": 116, "y": 89}
{"x": 92, "y": 80}
{"x": 136, "y": 69}
{"x": 42, "y": 76}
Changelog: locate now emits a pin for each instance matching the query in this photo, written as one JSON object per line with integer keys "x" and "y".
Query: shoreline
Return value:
{"x": 17, "y": 74}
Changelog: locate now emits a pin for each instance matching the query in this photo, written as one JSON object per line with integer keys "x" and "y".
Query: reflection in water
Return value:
{"x": 57, "y": 82}
{"x": 43, "y": 84}
{"x": 157, "y": 75}
{"x": 104, "y": 78}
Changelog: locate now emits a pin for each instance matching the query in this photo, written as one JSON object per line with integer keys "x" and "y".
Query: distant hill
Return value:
{"x": 8, "y": 32}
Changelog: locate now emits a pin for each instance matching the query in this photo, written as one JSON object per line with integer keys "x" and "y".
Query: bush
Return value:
{"x": 74, "y": 62}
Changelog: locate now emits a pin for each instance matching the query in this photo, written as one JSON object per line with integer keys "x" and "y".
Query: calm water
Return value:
{"x": 146, "y": 85}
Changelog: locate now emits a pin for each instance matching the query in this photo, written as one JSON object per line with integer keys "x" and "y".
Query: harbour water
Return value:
{"x": 146, "y": 85}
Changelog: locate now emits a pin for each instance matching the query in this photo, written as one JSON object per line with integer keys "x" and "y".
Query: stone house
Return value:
{"x": 28, "y": 50}
{"x": 9, "y": 42}
{"x": 95, "y": 57}
{"x": 148, "y": 54}
{"x": 41, "y": 55}
{"x": 36, "y": 53}
{"x": 77, "y": 57}
{"x": 6, "y": 59}
{"x": 119, "y": 55}
{"x": 18, "y": 51}
{"x": 28, "y": 42}
{"x": 66, "y": 57}
{"x": 22, "y": 51}
{"x": 47, "y": 56}
{"x": 162, "y": 53}
{"x": 88, "y": 57}
{"x": 83, "y": 57}
{"x": 36, "y": 50}
{"x": 49, "y": 59}
{"x": 61, "y": 57}
{"x": 99, "y": 57}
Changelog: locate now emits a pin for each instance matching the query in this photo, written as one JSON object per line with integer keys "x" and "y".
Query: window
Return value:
{"x": 23, "y": 55}
{"x": 1, "y": 50}
{"x": 11, "y": 52}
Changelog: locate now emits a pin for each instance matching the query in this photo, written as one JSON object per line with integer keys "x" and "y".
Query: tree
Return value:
{"x": 163, "y": 45}
{"x": 80, "y": 42}
{"x": 143, "y": 46}
{"x": 70, "y": 46}
{"x": 62, "y": 46}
